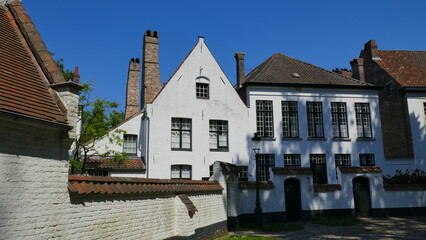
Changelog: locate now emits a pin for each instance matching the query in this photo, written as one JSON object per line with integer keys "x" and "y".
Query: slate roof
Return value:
{"x": 23, "y": 88}
{"x": 283, "y": 69}
{"x": 78, "y": 184}
{"x": 406, "y": 67}
{"x": 107, "y": 163}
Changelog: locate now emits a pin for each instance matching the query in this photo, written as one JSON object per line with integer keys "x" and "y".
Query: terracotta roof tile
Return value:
{"x": 406, "y": 67}
{"x": 364, "y": 169}
{"x": 23, "y": 90}
{"x": 78, "y": 184}
{"x": 292, "y": 171}
{"x": 107, "y": 163}
{"x": 286, "y": 70}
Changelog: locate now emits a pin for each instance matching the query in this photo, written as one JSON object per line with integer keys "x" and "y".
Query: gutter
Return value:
{"x": 147, "y": 126}
{"x": 33, "y": 120}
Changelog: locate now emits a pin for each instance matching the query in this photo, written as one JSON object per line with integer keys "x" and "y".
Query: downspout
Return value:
{"x": 145, "y": 118}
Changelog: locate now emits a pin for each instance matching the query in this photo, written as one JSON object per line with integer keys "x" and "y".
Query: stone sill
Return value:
{"x": 405, "y": 187}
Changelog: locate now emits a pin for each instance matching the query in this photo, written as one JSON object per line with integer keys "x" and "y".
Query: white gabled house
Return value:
{"x": 195, "y": 119}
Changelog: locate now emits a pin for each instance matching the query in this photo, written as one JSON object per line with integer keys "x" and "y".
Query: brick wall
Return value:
{"x": 35, "y": 202}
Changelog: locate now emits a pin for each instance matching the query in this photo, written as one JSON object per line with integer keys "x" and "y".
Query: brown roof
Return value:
{"x": 406, "y": 67}
{"x": 373, "y": 169}
{"x": 108, "y": 163}
{"x": 23, "y": 89}
{"x": 287, "y": 70}
{"x": 79, "y": 184}
{"x": 292, "y": 171}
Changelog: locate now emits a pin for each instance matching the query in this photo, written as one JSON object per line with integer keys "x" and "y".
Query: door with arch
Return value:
{"x": 362, "y": 198}
{"x": 293, "y": 202}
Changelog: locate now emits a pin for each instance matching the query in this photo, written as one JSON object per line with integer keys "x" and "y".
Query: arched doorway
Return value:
{"x": 293, "y": 203}
{"x": 362, "y": 199}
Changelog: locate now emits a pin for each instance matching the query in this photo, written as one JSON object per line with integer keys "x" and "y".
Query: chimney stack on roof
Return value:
{"x": 132, "y": 93}
{"x": 75, "y": 75}
{"x": 371, "y": 50}
{"x": 151, "y": 83}
{"x": 239, "y": 57}
{"x": 358, "y": 68}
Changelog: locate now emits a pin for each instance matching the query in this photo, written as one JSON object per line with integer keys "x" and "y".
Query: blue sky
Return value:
{"x": 101, "y": 36}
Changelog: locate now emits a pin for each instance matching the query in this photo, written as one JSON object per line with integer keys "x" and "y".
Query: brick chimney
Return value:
{"x": 358, "y": 68}
{"x": 239, "y": 57}
{"x": 132, "y": 94}
{"x": 75, "y": 75}
{"x": 371, "y": 50}
{"x": 151, "y": 82}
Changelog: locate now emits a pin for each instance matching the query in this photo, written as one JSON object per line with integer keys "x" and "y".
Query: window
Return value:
{"x": 243, "y": 173}
{"x": 318, "y": 168}
{"x": 339, "y": 120}
{"x": 218, "y": 135}
{"x": 129, "y": 144}
{"x": 202, "y": 90}
{"x": 342, "y": 160}
{"x": 292, "y": 160}
{"x": 290, "y": 120}
{"x": 389, "y": 88}
{"x": 181, "y": 172}
{"x": 264, "y": 118}
{"x": 181, "y": 133}
{"x": 315, "y": 123}
{"x": 363, "y": 123}
{"x": 424, "y": 110}
{"x": 366, "y": 160}
{"x": 265, "y": 161}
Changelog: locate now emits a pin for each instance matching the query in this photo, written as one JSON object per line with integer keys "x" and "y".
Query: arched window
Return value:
{"x": 202, "y": 87}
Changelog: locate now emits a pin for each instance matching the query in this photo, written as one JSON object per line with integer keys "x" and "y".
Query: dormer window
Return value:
{"x": 202, "y": 87}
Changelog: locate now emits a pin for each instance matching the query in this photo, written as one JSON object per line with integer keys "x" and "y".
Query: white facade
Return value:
{"x": 178, "y": 100}
{"x": 328, "y": 145}
{"x": 417, "y": 112}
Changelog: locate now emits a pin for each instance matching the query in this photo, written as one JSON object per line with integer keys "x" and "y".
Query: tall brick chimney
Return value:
{"x": 371, "y": 50}
{"x": 132, "y": 94}
{"x": 358, "y": 68}
{"x": 151, "y": 82}
{"x": 239, "y": 57}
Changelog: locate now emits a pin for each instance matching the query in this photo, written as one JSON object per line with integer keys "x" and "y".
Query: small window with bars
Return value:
{"x": 130, "y": 144}
{"x": 366, "y": 160}
{"x": 243, "y": 173}
{"x": 292, "y": 160}
{"x": 342, "y": 160}
{"x": 202, "y": 90}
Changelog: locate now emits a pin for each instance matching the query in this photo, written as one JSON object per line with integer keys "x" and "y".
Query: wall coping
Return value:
{"x": 252, "y": 185}
{"x": 405, "y": 187}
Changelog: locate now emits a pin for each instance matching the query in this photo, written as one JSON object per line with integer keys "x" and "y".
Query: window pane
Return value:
{"x": 213, "y": 140}
{"x": 175, "y": 172}
{"x": 186, "y": 139}
{"x": 186, "y": 172}
{"x": 175, "y": 139}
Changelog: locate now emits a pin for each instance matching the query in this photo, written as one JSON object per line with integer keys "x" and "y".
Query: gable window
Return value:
{"x": 181, "y": 134}
{"x": 265, "y": 161}
{"x": 202, "y": 90}
{"x": 181, "y": 172}
{"x": 218, "y": 135}
{"x": 129, "y": 144}
{"x": 318, "y": 167}
{"x": 290, "y": 120}
{"x": 366, "y": 160}
{"x": 342, "y": 160}
{"x": 339, "y": 120}
{"x": 292, "y": 160}
{"x": 315, "y": 122}
{"x": 389, "y": 88}
{"x": 264, "y": 118}
{"x": 243, "y": 173}
{"x": 363, "y": 121}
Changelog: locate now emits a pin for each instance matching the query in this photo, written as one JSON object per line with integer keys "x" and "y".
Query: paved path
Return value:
{"x": 370, "y": 228}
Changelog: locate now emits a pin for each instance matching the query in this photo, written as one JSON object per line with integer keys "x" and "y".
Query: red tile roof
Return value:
{"x": 78, "y": 184}
{"x": 286, "y": 70}
{"x": 373, "y": 169}
{"x": 107, "y": 163}
{"x": 406, "y": 67}
{"x": 23, "y": 89}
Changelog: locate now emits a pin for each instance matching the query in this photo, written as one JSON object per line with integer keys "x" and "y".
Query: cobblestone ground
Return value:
{"x": 370, "y": 228}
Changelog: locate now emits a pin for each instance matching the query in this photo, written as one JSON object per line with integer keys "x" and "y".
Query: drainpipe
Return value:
{"x": 145, "y": 118}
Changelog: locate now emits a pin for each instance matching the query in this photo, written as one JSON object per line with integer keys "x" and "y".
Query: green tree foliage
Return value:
{"x": 68, "y": 75}
{"x": 340, "y": 70}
